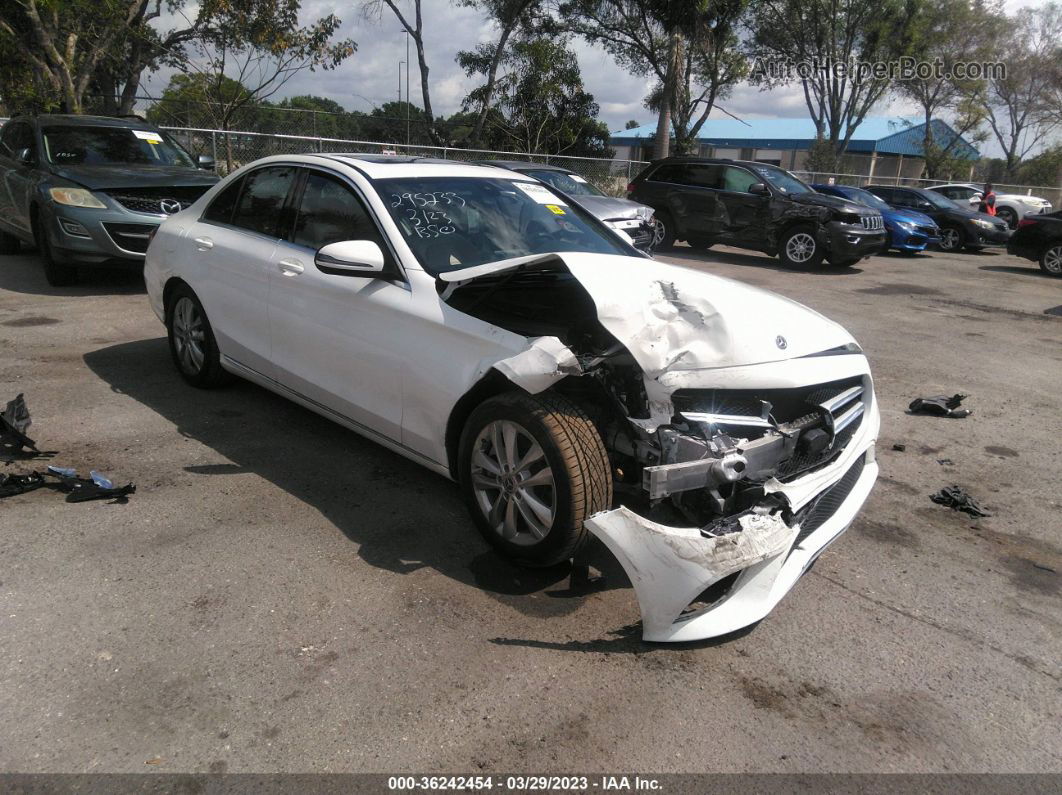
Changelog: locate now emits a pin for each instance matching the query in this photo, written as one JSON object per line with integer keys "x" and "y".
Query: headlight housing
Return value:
{"x": 982, "y": 223}
{"x": 76, "y": 197}
{"x": 645, "y": 213}
{"x": 906, "y": 226}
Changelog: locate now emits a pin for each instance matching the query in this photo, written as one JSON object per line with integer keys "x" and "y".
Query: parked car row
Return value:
{"x": 1010, "y": 207}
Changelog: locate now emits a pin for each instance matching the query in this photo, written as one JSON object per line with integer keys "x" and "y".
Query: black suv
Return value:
{"x": 90, "y": 190}
{"x": 960, "y": 227}
{"x": 755, "y": 206}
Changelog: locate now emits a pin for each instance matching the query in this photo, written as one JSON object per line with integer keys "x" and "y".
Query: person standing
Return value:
{"x": 988, "y": 200}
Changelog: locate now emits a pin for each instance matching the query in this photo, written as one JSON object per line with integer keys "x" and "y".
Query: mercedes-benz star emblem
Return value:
{"x": 170, "y": 206}
{"x": 780, "y": 342}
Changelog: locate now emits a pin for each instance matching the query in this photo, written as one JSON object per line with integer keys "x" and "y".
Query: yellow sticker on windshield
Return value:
{"x": 553, "y": 208}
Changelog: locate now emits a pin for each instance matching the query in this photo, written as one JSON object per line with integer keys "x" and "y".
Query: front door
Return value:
{"x": 745, "y": 213}
{"x": 336, "y": 337}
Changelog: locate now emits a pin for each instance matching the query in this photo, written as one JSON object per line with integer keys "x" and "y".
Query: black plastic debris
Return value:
{"x": 899, "y": 448}
{"x": 956, "y": 498}
{"x": 11, "y": 485}
{"x": 940, "y": 406}
{"x": 14, "y": 422}
{"x": 95, "y": 487}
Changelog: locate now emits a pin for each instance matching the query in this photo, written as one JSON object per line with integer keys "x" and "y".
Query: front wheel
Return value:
{"x": 799, "y": 248}
{"x": 663, "y": 231}
{"x": 1051, "y": 260}
{"x": 192, "y": 345}
{"x": 950, "y": 238}
{"x": 532, "y": 469}
{"x": 57, "y": 274}
{"x": 1008, "y": 216}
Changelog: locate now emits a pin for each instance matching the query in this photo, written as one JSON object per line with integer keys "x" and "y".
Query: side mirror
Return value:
{"x": 975, "y": 199}
{"x": 205, "y": 162}
{"x": 759, "y": 189}
{"x": 351, "y": 258}
{"x": 25, "y": 157}
{"x": 924, "y": 205}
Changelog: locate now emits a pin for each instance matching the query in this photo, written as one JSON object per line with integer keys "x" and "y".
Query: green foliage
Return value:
{"x": 1044, "y": 169}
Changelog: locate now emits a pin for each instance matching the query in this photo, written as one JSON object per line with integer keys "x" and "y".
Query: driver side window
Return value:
{"x": 329, "y": 212}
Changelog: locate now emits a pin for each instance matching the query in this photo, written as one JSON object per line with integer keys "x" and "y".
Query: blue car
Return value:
{"x": 909, "y": 230}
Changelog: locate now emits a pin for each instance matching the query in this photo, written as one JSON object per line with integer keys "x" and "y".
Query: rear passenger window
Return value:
{"x": 329, "y": 212}
{"x": 887, "y": 194}
{"x": 705, "y": 175}
{"x": 220, "y": 210}
{"x": 262, "y": 200}
{"x": 672, "y": 172}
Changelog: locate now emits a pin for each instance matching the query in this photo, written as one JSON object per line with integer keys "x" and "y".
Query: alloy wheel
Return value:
{"x": 658, "y": 231}
{"x": 1053, "y": 260}
{"x": 188, "y": 335}
{"x": 949, "y": 239}
{"x": 800, "y": 247}
{"x": 513, "y": 483}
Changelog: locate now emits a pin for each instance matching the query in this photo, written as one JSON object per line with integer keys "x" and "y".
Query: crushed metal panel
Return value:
{"x": 670, "y": 566}
{"x": 543, "y": 364}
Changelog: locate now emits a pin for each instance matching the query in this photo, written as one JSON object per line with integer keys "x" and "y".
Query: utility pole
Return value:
{"x": 407, "y": 89}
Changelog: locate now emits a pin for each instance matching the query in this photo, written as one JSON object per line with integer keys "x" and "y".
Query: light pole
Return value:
{"x": 407, "y": 89}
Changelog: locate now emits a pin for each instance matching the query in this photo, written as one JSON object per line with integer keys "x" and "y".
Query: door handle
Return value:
{"x": 204, "y": 243}
{"x": 290, "y": 267}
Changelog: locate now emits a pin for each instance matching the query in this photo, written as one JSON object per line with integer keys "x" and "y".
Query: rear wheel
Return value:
{"x": 192, "y": 345}
{"x": 9, "y": 244}
{"x": 663, "y": 231}
{"x": 58, "y": 274}
{"x": 1051, "y": 260}
{"x": 799, "y": 248}
{"x": 1008, "y": 216}
{"x": 950, "y": 238}
{"x": 532, "y": 469}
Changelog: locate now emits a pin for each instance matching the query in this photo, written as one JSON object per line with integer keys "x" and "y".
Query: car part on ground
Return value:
{"x": 15, "y": 420}
{"x": 940, "y": 406}
{"x": 1040, "y": 239}
{"x": 957, "y": 498}
{"x": 633, "y": 219}
{"x": 89, "y": 191}
{"x": 755, "y": 206}
{"x": 512, "y": 343}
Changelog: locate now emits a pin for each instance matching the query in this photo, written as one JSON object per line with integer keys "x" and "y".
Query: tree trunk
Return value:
{"x": 667, "y": 95}
{"x": 429, "y": 118}
{"x": 488, "y": 91}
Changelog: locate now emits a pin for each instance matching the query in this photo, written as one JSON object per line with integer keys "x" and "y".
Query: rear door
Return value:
{"x": 235, "y": 244}
{"x": 18, "y": 179}
{"x": 338, "y": 338}
{"x": 744, "y": 214}
{"x": 693, "y": 198}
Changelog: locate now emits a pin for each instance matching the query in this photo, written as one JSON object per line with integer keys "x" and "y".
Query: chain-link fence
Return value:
{"x": 232, "y": 149}
{"x": 1053, "y": 195}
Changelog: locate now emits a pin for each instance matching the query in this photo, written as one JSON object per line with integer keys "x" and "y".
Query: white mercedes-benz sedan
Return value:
{"x": 714, "y": 436}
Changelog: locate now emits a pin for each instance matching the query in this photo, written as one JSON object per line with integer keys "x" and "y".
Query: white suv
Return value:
{"x": 474, "y": 321}
{"x": 1010, "y": 207}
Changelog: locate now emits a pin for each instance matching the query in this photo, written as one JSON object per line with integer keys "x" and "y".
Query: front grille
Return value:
{"x": 872, "y": 222}
{"x": 149, "y": 200}
{"x": 928, "y": 231}
{"x": 837, "y": 407}
{"x": 131, "y": 237}
{"x": 814, "y": 515}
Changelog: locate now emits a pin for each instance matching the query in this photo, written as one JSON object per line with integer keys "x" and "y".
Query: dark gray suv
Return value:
{"x": 90, "y": 190}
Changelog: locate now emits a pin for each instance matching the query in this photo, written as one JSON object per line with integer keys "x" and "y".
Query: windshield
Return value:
{"x": 865, "y": 197}
{"x": 457, "y": 222}
{"x": 938, "y": 201}
{"x": 572, "y": 184}
{"x": 782, "y": 180}
{"x": 77, "y": 145}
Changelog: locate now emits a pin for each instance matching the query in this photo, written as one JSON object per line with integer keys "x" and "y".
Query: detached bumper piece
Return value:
{"x": 763, "y": 551}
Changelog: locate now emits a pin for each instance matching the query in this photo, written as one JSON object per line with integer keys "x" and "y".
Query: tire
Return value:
{"x": 541, "y": 524}
{"x": 1051, "y": 260}
{"x": 951, "y": 238}
{"x": 798, "y": 248}
{"x": 56, "y": 273}
{"x": 1009, "y": 216}
{"x": 9, "y": 244}
{"x": 192, "y": 345}
{"x": 664, "y": 232}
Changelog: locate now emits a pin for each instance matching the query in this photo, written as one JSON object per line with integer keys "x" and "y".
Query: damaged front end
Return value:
{"x": 740, "y": 428}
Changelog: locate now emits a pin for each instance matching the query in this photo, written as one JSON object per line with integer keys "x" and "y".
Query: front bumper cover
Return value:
{"x": 670, "y": 567}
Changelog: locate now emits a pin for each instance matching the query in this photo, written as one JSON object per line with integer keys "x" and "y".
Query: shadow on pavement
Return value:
{"x": 756, "y": 260}
{"x": 401, "y": 516}
{"x": 23, "y": 273}
{"x": 1032, "y": 270}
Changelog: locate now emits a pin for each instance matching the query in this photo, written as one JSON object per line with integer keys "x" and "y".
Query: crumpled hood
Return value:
{"x": 833, "y": 203}
{"x": 675, "y": 319}
{"x": 140, "y": 176}
{"x": 607, "y": 208}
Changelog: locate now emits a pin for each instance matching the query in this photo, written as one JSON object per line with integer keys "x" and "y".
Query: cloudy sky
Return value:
{"x": 370, "y": 77}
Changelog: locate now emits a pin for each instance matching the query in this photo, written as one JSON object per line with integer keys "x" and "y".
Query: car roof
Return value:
{"x": 89, "y": 121}
{"x": 725, "y": 160}
{"x": 517, "y": 165}
{"x": 376, "y": 166}
{"x": 955, "y": 185}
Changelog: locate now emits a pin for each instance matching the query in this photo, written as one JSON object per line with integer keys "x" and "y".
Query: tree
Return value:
{"x": 387, "y": 124}
{"x": 1021, "y": 106}
{"x": 632, "y": 124}
{"x": 415, "y": 28}
{"x": 816, "y": 43}
{"x": 540, "y": 101}
{"x": 949, "y": 32}
{"x": 508, "y": 16}
{"x": 688, "y": 47}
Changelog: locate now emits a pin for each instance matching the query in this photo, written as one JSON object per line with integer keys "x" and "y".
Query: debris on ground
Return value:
{"x": 11, "y": 485}
{"x": 899, "y": 448}
{"x": 940, "y": 406}
{"x": 956, "y": 498}
{"x": 945, "y": 462}
{"x": 95, "y": 487}
{"x": 14, "y": 422}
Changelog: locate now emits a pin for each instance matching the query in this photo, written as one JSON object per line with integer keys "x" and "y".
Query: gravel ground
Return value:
{"x": 282, "y": 595}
